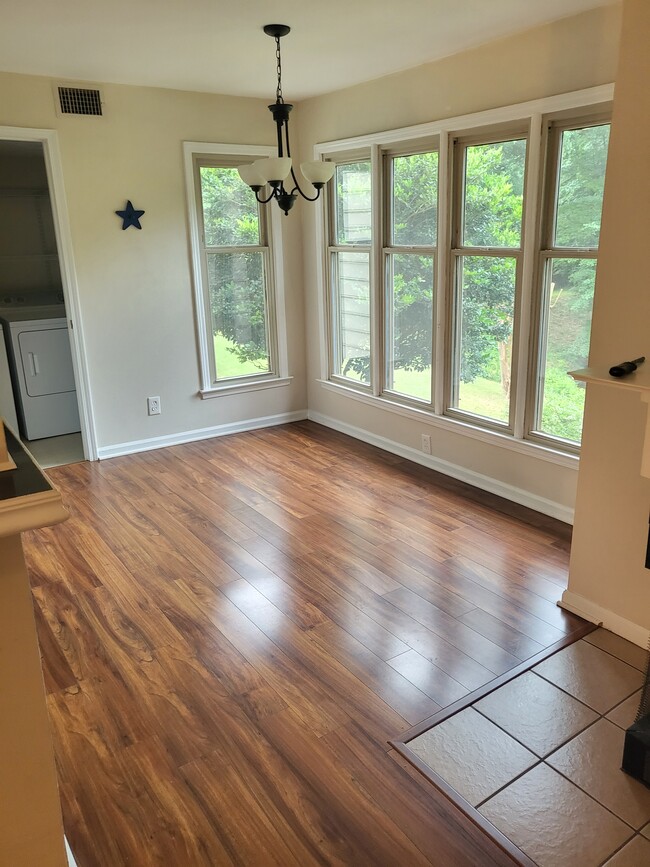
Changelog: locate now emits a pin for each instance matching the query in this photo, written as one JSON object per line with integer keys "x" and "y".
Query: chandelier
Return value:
{"x": 274, "y": 171}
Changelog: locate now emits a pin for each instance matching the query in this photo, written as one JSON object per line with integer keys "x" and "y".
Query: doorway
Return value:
{"x": 43, "y": 386}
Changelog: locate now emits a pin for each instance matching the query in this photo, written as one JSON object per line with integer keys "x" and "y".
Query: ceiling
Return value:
{"x": 219, "y": 46}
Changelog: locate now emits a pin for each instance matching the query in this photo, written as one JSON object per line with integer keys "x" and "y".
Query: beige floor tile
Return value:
{"x": 471, "y": 754}
{"x": 555, "y": 823}
{"x": 636, "y": 853}
{"x": 592, "y": 676}
{"x": 619, "y": 647}
{"x": 592, "y": 761}
{"x": 536, "y": 713}
{"x": 625, "y": 713}
{"x": 646, "y": 831}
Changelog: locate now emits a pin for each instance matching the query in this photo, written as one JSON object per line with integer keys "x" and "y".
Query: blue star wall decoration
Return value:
{"x": 130, "y": 216}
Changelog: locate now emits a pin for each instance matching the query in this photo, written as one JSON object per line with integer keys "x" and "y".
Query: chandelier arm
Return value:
{"x": 293, "y": 173}
{"x": 298, "y": 190}
{"x": 263, "y": 201}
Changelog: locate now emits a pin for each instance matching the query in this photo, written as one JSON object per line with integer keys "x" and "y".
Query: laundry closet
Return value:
{"x": 38, "y": 397}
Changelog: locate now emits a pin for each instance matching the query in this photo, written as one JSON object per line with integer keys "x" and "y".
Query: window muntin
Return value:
{"x": 236, "y": 276}
{"x": 577, "y": 157}
{"x": 485, "y": 265}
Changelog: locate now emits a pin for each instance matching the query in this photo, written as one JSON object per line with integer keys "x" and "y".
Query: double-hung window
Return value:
{"x": 486, "y": 274}
{"x": 577, "y": 155}
{"x": 234, "y": 276}
{"x": 462, "y": 264}
{"x": 409, "y": 268}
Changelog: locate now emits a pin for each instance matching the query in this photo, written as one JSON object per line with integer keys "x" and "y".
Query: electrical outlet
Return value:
{"x": 426, "y": 444}
{"x": 153, "y": 405}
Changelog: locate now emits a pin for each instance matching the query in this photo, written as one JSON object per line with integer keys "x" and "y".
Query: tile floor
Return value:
{"x": 540, "y": 757}
{"x": 55, "y": 451}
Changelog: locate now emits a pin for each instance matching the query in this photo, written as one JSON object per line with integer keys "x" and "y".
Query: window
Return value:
{"x": 576, "y": 173}
{"x": 350, "y": 270}
{"x": 233, "y": 271}
{"x": 461, "y": 267}
{"x": 486, "y": 275}
{"x": 409, "y": 268}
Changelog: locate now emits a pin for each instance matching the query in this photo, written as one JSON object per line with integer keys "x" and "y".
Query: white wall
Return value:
{"x": 135, "y": 286}
{"x": 607, "y": 578}
{"x": 571, "y": 54}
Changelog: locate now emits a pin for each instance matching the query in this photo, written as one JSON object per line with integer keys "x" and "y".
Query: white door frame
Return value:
{"x": 49, "y": 139}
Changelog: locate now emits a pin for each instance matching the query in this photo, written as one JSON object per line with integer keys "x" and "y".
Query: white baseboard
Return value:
{"x": 604, "y": 617}
{"x": 486, "y": 483}
{"x": 192, "y": 436}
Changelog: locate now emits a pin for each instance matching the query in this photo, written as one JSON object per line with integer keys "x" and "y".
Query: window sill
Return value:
{"x": 494, "y": 438}
{"x": 242, "y": 387}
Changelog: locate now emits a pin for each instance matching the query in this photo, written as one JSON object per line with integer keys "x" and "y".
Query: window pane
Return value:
{"x": 409, "y": 323}
{"x": 568, "y": 300}
{"x": 583, "y": 157}
{"x": 415, "y": 199}
{"x": 230, "y": 212}
{"x": 238, "y": 313}
{"x": 485, "y": 310}
{"x": 352, "y": 315}
{"x": 353, "y": 203}
{"x": 493, "y": 194}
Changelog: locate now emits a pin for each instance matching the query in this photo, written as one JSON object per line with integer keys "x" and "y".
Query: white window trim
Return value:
{"x": 208, "y": 388}
{"x": 530, "y": 112}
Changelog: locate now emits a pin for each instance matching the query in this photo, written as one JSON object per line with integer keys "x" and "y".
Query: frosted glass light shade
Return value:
{"x": 251, "y": 176}
{"x": 317, "y": 172}
{"x": 274, "y": 168}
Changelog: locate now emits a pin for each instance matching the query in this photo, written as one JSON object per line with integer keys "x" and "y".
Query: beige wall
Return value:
{"x": 135, "y": 286}
{"x": 608, "y": 578}
{"x": 571, "y": 54}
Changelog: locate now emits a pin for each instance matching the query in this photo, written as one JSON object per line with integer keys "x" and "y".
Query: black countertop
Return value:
{"x": 26, "y": 478}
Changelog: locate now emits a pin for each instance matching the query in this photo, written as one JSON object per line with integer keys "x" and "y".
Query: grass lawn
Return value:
{"x": 483, "y": 396}
{"x": 229, "y": 365}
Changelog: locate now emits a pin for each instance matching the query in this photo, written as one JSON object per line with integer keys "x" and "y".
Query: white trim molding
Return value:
{"x": 594, "y": 613}
{"x": 478, "y": 480}
{"x": 493, "y": 438}
{"x": 192, "y": 436}
{"x": 560, "y": 102}
{"x": 49, "y": 139}
{"x": 239, "y": 388}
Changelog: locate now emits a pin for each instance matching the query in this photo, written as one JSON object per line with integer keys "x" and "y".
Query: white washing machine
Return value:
{"x": 42, "y": 373}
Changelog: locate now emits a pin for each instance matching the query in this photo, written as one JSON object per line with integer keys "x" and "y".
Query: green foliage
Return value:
{"x": 563, "y": 408}
{"x": 235, "y": 279}
{"x": 492, "y": 211}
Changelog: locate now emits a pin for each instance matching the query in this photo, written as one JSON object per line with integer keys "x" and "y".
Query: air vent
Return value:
{"x": 80, "y": 100}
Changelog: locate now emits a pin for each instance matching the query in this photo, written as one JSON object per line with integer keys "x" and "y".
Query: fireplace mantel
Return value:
{"x": 638, "y": 382}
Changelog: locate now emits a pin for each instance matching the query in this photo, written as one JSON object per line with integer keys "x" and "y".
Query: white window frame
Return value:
{"x": 276, "y": 311}
{"x": 531, "y": 115}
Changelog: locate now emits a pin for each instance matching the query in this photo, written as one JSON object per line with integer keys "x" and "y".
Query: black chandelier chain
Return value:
{"x": 278, "y": 57}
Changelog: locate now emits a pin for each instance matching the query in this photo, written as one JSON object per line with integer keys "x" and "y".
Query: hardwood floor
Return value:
{"x": 232, "y": 630}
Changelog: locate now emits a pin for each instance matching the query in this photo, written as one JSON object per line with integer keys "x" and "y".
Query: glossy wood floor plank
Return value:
{"x": 232, "y": 630}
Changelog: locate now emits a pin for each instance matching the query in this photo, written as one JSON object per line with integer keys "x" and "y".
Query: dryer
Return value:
{"x": 42, "y": 372}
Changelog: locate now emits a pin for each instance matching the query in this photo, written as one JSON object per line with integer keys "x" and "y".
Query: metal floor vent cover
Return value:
{"x": 80, "y": 100}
